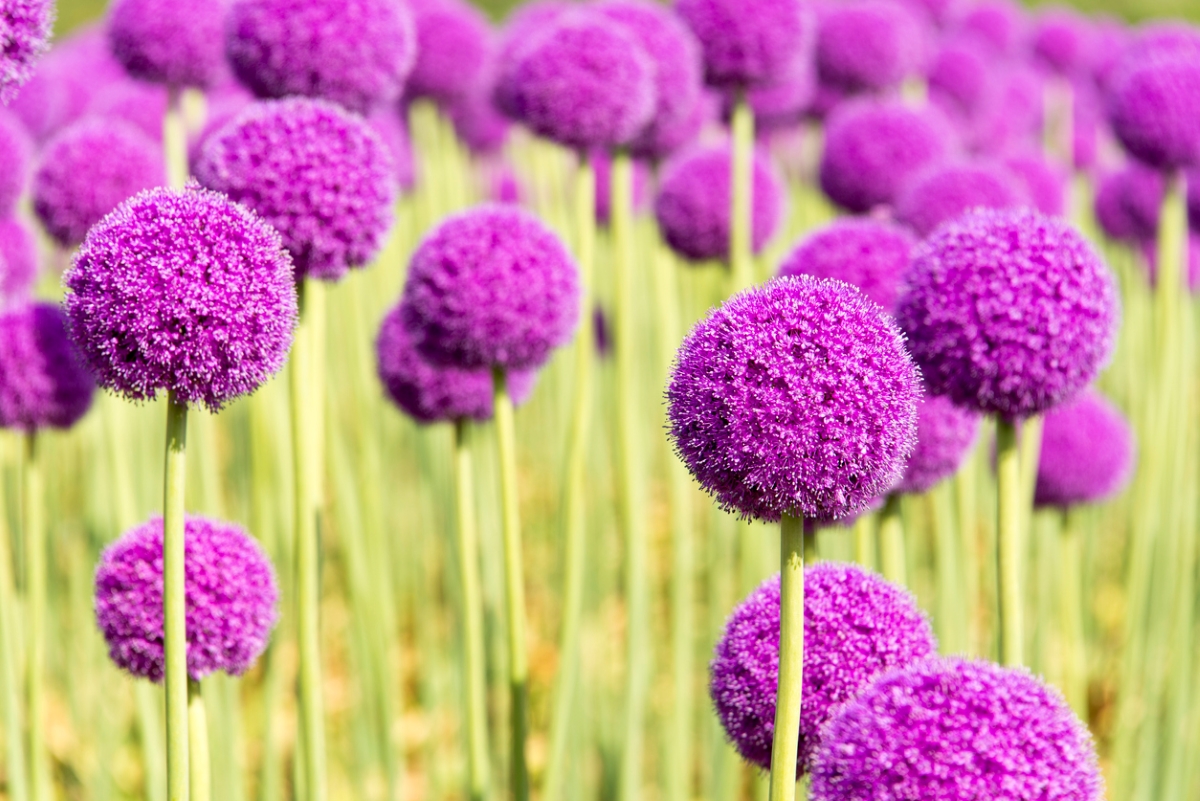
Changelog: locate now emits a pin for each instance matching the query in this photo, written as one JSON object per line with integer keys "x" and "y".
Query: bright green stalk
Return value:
{"x": 199, "y": 765}
{"x": 174, "y": 600}
{"x": 891, "y": 542}
{"x": 864, "y": 541}
{"x": 970, "y": 549}
{"x": 948, "y": 562}
{"x": 1070, "y": 584}
{"x": 1008, "y": 544}
{"x": 741, "y": 257}
{"x": 1172, "y": 254}
{"x": 149, "y": 711}
{"x": 175, "y": 141}
{"x": 35, "y": 592}
{"x": 16, "y": 771}
{"x": 786, "y": 742}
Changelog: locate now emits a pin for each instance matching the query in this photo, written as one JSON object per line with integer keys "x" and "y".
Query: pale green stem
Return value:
{"x": 1070, "y": 583}
{"x": 741, "y": 257}
{"x": 949, "y": 564}
{"x": 200, "y": 766}
{"x": 1171, "y": 258}
{"x": 175, "y": 141}
{"x": 891, "y": 542}
{"x": 864, "y": 541}
{"x": 786, "y": 742}
{"x": 1008, "y": 544}
{"x": 149, "y": 718}
{"x": 175, "y": 681}
{"x": 10, "y": 671}
{"x": 35, "y": 591}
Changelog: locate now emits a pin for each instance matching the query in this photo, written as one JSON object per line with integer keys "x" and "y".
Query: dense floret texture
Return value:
{"x": 454, "y": 43}
{"x": 743, "y": 49}
{"x": 1153, "y": 105}
{"x": 43, "y": 383}
{"x": 869, "y": 45}
{"x": 942, "y": 193}
{"x": 169, "y": 42}
{"x": 1087, "y": 452}
{"x": 945, "y": 434}
{"x": 25, "y": 31}
{"x": 870, "y": 254}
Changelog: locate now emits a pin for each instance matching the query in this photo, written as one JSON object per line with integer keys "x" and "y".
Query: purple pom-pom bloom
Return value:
{"x": 16, "y": 151}
{"x": 491, "y": 287}
{"x": 944, "y": 192}
{"x": 748, "y": 43}
{"x": 856, "y": 626}
{"x": 1153, "y": 105}
{"x": 1062, "y": 41}
{"x": 1128, "y": 202}
{"x": 1087, "y": 452}
{"x": 780, "y": 105}
{"x": 182, "y": 291}
{"x": 454, "y": 43}
{"x": 526, "y": 24}
{"x": 19, "y": 256}
{"x": 169, "y": 42}
{"x": 142, "y": 105}
{"x": 956, "y": 730}
{"x": 870, "y": 254}
{"x": 1008, "y": 312}
{"x": 797, "y": 397}
{"x": 356, "y": 53}
{"x": 1044, "y": 184}
{"x": 25, "y": 31}
{"x": 693, "y": 202}
{"x": 945, "y": 433}
{"x": 87, "y": 170}
{"x": 958, "y": 76}
{"x": 1012, "y": 115}
{"x": 230, "y": 597}
{"x": 869, "y": 45}
{"x": 320, "y": 175}
{"x": 477, "y": 121}
{"x": 999, "y": 24}
{"x": 42, "y": 381}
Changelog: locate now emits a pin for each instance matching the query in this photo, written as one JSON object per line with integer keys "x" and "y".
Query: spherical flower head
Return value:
{"x": 454, "y": 42}
{"x": 356, "y": 53}
{"x": 182, "y": 291}
{"x": 1153, "y": 105}
{"x": 491, "y": 287}
{"x": 87, "y": 170}
{"x": 872, "y": 148}
{"x": 1012, "y": 115}
{"x": 870, "y": 254}
{"x": 602, "y": 164}
{"x": 142, "y": 105}
{"x": 958, "y": 77}
{"x": 16, "y": 152}
{"x": 19, "y": 257}
{"x": 856, "y": 627}
{"x": 999, "y": 24}
{"x": 747, "y": 45}
{"x": 869, "y": 45}
{"x": 796, "y": 397}
{"x": 165, "y": 41}
{"x": 1062, "y": 40}
{"x": 1128, "y": 202}
{"x": 944, "y": 192}
{"x": 319, "y": 174}
{"x": 527, "y": 22}
{"x": 43, "y": 383}
{"x": 229, "y": 590}
{"x": 25, "y": 30}
{"x": 1042, "y": 183}
{"x": 477, "y": 121}
{"x": 693, "y": 202}
{"x": 945, "y": 434}
{"x": 1008, "y": 312}
{"x": 957, "y": 730}
{"x": 780, "y": 106}
{"x": 1087, "y": 452}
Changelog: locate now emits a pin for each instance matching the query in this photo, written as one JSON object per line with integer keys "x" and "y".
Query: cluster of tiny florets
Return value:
{"x": 1086, "y": 453}
{"x": 25, "y": 31}
{"x": 169, "y": 42}
{"x": 742, "y": 50}
{"x": 43, "y": 382}
{"x": 869, "y": 45}
{"x": 870, "y": 254}
{"x": 945, "y": 434}
{"x": 1153, "y": 105}
{"x": 454, "y": 43}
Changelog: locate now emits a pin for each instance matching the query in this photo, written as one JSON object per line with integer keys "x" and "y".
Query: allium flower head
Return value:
{"x": 525, "y": 24}
{"x": 870, "y": 254}
{"x": 795, "y": 397}
{"x": 1042, "y": 183}
{"x": 491, "y": 287}
{"x": 170, "y": 42}
{"x": 945, "y": 191}
{"x": 42, "y": 381}
{"x": 999, "y": 24}
{"x": 25, "y": 31}
{"x": 356, "y": 53}
{"x": 477, "y": 121}
{"x": 1153, "y": 105}
{"x": 1008, "y": 312}
{"x": 19, "y": 257}
{"x": 230, "y": 596}
{"x": 1013, "y": 113}
{"x": 945, "y": 434}
{"x": 1087, "y": 452}
{"x": 959, "y": 77}
{"x": 780, "y": 105}
{"x": 748, "y": 43}
{"x": 1062, "y": 40}
{"x": 454, "y": 42}
{"x": 181, "y": 291}
{"x": 16, "y": 151}
{"x": 957, "y": 730}
{"x": 1128, "y": 202}
{"x": 869, "y": 45}
{"x": 319, "y": 174}
{"x": 142, "y": 105}
{"x": 856, "y": 626}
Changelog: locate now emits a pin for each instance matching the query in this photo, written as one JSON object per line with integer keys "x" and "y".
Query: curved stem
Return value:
{"x": 1008, "y": 544}
{"x": 174, "y": 601}
{"x": 200, "y": 766}
{"x": 35, "y": 590}
{"x": 786, "y": 742}
{"x": 891, "y": 542}
{"x": 741, "y": 257}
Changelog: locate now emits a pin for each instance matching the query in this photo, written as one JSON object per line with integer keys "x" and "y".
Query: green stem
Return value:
{"x": 864, "y": 541}
{"x": 200, "y": 766}
{"x": 1070, "y": 584}
{"x": 149, "y": 720}
{"x": 174, "y": 600}
{"x": 16, "y": 770}
{"x": 175, "y": 141}
{"x": 1171, "y": 258}
{"x": 891, "y": 541}
{"x": 786, "y": 741}
{"x": 948, "y": 562}
{"x": 35, "y": 590}
{"x": 1008, "y": 543}
{"x": 741, "y": 260}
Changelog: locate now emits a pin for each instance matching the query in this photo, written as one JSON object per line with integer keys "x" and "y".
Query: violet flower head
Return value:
{"x": 870, "y": 254}
{"x": 477, "y": 121}
{"x": 1042, "y": 183}
{"x": 748, "y": 43}
{"x": 1087, "y": 452}
{"x": 87, "y": 170}
{"x": 319, "y": 174}
{"x": 43, "y": 383}
{"x": 230, "y": 597}
{"x": 183, "y": 291}
{"x": 1153, "y": 105}
{"x": 1061, "y": 40}
{"x": 142, "y": 105}
{"x": 525, "y": 25}
{"x": 491, "y": 287}
{"x": 780, "y": 105}
{"x": 602, "y": 164}
{"x": 454, "y": 42}
{"x": 856, "y": 627}
{"x": 869, "y": 45}
{"x": 1013, "y": 114}
{"x": 25, "y": 31}
{"x": 19, "y": 257}
{"x": 1008, "y": 312}
{"x": 944, "y": 192}
{"x": 945, "y": 434}
{"x": 693, "y": 202}
{"x": 356, "y": 53}
{"x": 959, "y": 77}
{"x": 795, "y": 397}
{"x": 16, "y": 152}
{"x": 169, "y": 42}
{"x": 999, "y": 24}
{"x": 957, "y": 730}
{"x": 1128, "y": 202}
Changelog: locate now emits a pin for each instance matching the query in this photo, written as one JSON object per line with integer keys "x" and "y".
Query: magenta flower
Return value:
{"x": 25, "y": 31}
{"x": 1087, "y": 452}
{"x": 870, "y": 254}
{"x": 945, "y": 434}
{"x": 944, "y": 192}
{"x": 169, "y": 42}
{"x": 869, "y": 45}
{"x": 748, "y": 43}
{"x": 43, "y": 383}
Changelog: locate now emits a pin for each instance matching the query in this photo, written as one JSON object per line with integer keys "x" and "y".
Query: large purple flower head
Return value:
{"x": 16, "y": 151}
{"x": 454, "y": 42}
{"x": 1061, "y": 40}
{"x": 1008, "y": 312}
{"x": 183, "y": 291}
{"x": 491, "y": 287}
{"x": 166, "y": 41}
{"x": 945, "y": 191}
{"x": 795, "y": 397}
{"x": 1128, "y": 202}
{"x": 42, "y": 381}
{"x": 356, "y": 53}
{"x": 872, "y": 148}
{"x": 229, "y": 590}
{"x": 1041, "y": 183}
{"x": 87, "y": 170}
{"x": 1153, "y": 105}
{"x": 999, "y": 24}
{"x": 856, "y": 627}
{"x": 945, "y": 434}
{"x": 869, "y": 45}
{"x": 693, "y": 202}
{"x": 19, "y": 257}
{"x": 319, "y": 174}
{"x": 748, "y": 43}
{"x": 526, "y": 24}
{"x": 25, "y": 31}
{"x": 957, "y": 730}
{"x": 1087, "y": 452}
{"x": 870, "y": 254}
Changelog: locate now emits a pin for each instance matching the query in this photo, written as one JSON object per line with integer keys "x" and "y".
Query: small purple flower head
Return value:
{"x": 1087, "y": 452}
{"x": 957, "y": 730}
{"x": 1128, "y": 202}
{"x": 169, "y": 42}
{"x": 142, "y": 105}
{"x": 43, "y": 383}
{"x": 477, "y": 121}
{"x": 694, "y": 201}
{"x": 959, "y": 77}
{"x": 795, "y": 397}
{"x": 1012, "y": 117}
{"x": 1062, "y": 41}
{"x": 780, "y": 106}
{"x": 16, "y": 152}
{"x": 319, "y": 174}
{"x": 944, "y": 192}
{"x": 356, "y": 53}
{"x": 748, "y": 44}
{"x": 602, "y": 164}
{"x": 945, "y": 434}
{"x": 229, "y": 589}
{"x": 872, "y": 148}
{"x": 183, "y": 291}
{"x": 525, "y": 25}
{"x": 25, "y": 31}
{"x": 869, "y": 45}
{"x": 856, "y": 627}
{"x": 999, "y": 24}
{"x": 491, "y": 287}
{"x": 1008, "y": 312}
{"x": 87, "y": 170}
{"x": 454, "y": 43}
{"x": 1042, "y": 183}
{"x": 19, "y": 257}
{"x": 867, "y": 253}
{"x": 1153, "y": 105}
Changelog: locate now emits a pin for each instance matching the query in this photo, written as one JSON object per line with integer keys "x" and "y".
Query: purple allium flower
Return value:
{"x": 1008, "y": 312}
{"x": 693, "y": 202}
{"x": 935, "y": 12}
{"x": 356, "y": 53}
{"x": 1128, "y": 202}
{"x": 872, "y": 148}
{"x": 142, "y": 105}
{"x": 319, "y": 174}
{"x": 87, "y": 170}
{"x": 477, "y": 121}
{"x": 1042, "y": 183}
{"x": 25, "y": 31}
{"x": 602, "y": 164}
{"x": 1193, "y": 199}
{"x": 869, "y": 45}
{"x": 392, "y": 130}
{"x": 491, "y": 287}
{"x": 183, "y": 291}
{"x": 795, "y": 397}
{"x": 526, "y": 24}
{"x": 42, "y": 381}
{"x": 748, "y": 43}
{"x": 454, "y": 42}
{"x": 957, "y": 730}
{"x": 999, "y": 24}
{"x": 169, "y": 42}
{"x": 943, "y": 192}
{"x": 1013, "y": 115}
{"x": 856, "y": 626}
{"x": 16, "y": 151}
{"x": 1153, "y": 105}
{"x": 19, "y": 257}
{"x": 230, "y": 596}
{"x": 1062, "y": 41}
{"x": 870, "y": 254}
{"x": 780, "y": 105}
{"x": 1087, "y": 452}
{"x": 945, "y": 434}
{"x": 958, "y": 77}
